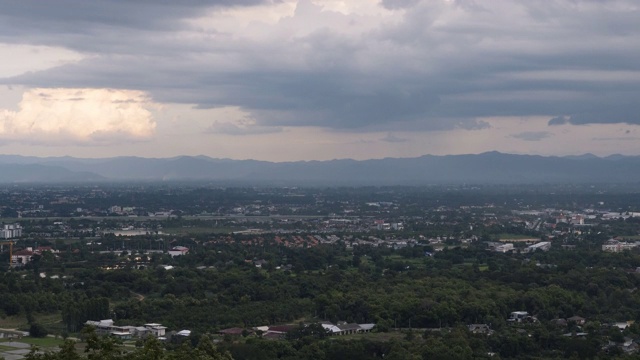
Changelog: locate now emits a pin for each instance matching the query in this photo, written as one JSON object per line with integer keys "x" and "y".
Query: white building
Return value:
{"x": 178, "y": 251}
{"x": 544, "y": 246}
{"x": 518, "y": 316}
{"x": 10, "y": 231}
{"x": 156, "y": 330}
{"x": 107, "y": 327}
{"x": 504, "y": 248}
{"x": 613, "y": 245}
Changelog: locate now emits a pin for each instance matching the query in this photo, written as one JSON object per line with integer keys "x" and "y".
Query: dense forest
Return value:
{"x": 428, "y": 300}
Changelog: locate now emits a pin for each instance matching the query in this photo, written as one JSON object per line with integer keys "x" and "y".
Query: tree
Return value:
{"x": 37, "y": 330}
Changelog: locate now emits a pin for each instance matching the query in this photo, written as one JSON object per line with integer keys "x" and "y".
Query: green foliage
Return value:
{"x": 37, "y": 330}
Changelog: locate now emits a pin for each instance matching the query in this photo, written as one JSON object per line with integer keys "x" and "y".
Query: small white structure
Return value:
{"x": 518, "y": 316}
{"x": 184, "y": 333}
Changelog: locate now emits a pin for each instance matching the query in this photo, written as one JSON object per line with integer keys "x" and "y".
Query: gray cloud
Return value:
{"x": 238, "y": 130}
{"x": 619, "y": 138}
{"x": 532, "y": 135}
{"x": 391, "y": 138}
{"x": 558, "y": 120}
{"x": 441, "y": 66}
{"x": 398, "y": 4}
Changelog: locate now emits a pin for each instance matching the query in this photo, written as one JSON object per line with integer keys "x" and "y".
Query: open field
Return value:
{"x": 47, "y": 342}
{"x": 197, "y": 230}
{"x": 52, "y": 322}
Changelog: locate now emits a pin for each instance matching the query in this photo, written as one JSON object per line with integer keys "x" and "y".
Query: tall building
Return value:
{"x": 10, "y": 231}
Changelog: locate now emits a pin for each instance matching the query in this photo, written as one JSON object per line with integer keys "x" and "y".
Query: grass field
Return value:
{"x": 52, "y": 322}
{"x": 197, "y": 230}
{"x": 506, "y": 236}
{"x": 376, "y": 336}
{"x": 47, "y": 342}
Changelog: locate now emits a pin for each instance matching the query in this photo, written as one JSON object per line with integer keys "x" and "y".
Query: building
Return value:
{"x": 480, "y": 329}
{"x": 23, "y": 257}
{"x": 613, "y": 245}
{"x": 504, "y": 248}
{"x": 544, "y": 246}
{"x": 156, "y": 330}
{"x": 178, "y": 251}
{"x": 10, "y": 231}
{"x": 518, "y": 316}
{"x": 107, "y": 327}
{"x": 344, "y": 328}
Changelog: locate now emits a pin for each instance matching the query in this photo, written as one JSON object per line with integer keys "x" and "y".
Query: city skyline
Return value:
{"x": 316, "y": 80}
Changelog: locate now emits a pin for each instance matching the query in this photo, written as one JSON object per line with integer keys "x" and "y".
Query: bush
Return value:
{"x": 38, "y": 331}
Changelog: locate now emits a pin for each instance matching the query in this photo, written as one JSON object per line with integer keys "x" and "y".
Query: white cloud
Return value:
{"x": 80, "y": 116}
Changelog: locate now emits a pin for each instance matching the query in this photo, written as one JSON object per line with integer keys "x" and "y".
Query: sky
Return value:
{"x": 289, "y": 80}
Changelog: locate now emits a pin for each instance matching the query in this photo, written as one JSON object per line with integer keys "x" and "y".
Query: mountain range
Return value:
{"x": 486, "y": 168}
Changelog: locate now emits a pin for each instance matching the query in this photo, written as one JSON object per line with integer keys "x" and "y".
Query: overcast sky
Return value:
{"x": 289, "y": 80}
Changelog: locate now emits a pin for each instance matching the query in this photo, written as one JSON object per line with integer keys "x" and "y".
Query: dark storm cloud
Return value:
{"x": 77, "y": 16}
{"x": 439, "y": 65}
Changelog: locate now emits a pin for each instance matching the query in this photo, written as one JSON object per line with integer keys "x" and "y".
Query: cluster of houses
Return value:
{"x": 275, "y": 332}
{"x": 107, "y": 327}
{"x": 613, "y": 245}
{"x": 508, "y": 247}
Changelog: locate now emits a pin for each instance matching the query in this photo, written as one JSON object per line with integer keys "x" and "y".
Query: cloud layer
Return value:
{"x": 80, "y": 116}
{"x": 356, "y": 66}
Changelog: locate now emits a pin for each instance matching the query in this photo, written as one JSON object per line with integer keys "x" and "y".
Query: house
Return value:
{"x": 577, "y": 319}
{"x": 519, "y": 316}
{"x": 613, "y": 245}
{"x": 178, "y": 251}
{"x": 236, "y": 331}
{"x": 107, "y": 327}
{"x": 23, "y": 257}
{"x": 349, "y": 329}
{"x": 544, "y": 246}
{"x": 480, "y": 329}
{"x": 504, "y": 248}
{"x": 344, "y": 328}
{"x": 260, "y": 263}
{"x": 156, "y": 330}
{"x": 623, "y": 324}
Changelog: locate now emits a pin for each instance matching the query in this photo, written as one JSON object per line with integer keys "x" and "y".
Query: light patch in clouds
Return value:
{"x": 621, "y": 138}
{"x": 18, "y": 59}
{"x": 233, "y": 121}
{"x": 532, "y": 135}
{"x": 391, "y": 138}
{"x": 80, "y": 116}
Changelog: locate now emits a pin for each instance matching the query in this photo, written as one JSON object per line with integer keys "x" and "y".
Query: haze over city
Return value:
{"x": 316, "y": 80}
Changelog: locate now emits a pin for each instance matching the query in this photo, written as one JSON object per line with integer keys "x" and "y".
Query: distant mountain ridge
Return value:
{"x": 490, "y": 167}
